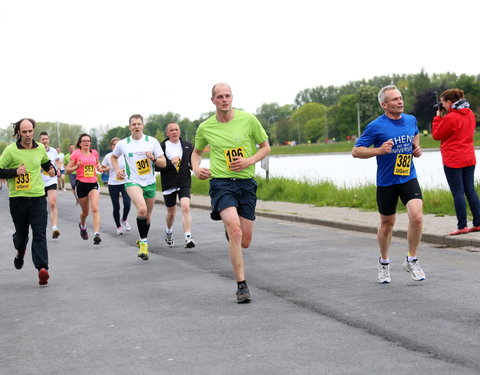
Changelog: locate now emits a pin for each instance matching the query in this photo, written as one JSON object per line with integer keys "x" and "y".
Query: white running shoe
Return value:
{"x": 120, "y": 231}
{"x": 383, "y": 273}
{"x": 415, "y": 269}
{"x": 169, "y": 239}
{"x": 125, "y": 225}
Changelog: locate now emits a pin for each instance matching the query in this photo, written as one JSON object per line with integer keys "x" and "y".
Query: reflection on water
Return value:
{"x": 344, "y": 170}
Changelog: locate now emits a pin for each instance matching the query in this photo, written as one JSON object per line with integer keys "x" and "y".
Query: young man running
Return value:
{"x": 51, "y": 183}
{"x": 142, "y": 153}
{"x": 395, "y": 138}
{"x": 20, "y": 162}
{"x": 232, "y": 135}
{"x": 177, "y": 181}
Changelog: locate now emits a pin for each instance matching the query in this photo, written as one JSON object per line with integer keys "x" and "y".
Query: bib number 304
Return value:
{"x": 231, "y": 153}
{"x": 402, "y": 165}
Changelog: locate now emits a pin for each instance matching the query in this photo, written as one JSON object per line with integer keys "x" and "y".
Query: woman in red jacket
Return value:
{"x": 454, "y": 125}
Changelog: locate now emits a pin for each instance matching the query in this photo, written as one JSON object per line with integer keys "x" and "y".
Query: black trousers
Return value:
{"x": 31, "y": 212}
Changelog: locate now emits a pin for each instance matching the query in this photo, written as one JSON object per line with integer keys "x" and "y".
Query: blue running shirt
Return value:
{"x": 396, "y": 167}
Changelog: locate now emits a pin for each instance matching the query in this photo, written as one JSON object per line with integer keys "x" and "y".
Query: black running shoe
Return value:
{"x": 83, "y": 232}
{"x": 18, "y": 260}
{"x": 97, "y": 239}
{"x": 243, "y": 294}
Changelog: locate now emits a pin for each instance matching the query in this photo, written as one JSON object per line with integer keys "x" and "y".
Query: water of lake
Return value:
{"x": 345, "y": 171}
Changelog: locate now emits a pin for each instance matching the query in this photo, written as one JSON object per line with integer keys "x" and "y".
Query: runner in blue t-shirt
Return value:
{"x": 395, "y": 141}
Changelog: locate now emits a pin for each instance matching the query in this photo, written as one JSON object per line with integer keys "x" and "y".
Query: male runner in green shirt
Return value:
{"x": 232, "y": 135}
{"x": 20, "y": 162}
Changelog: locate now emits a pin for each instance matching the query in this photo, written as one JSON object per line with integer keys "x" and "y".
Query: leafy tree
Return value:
{"x": 159, "y": 122}
{"x": 118, "y": 132}
{"x": 302, "y": 115}
{"x": 344, "y": 117}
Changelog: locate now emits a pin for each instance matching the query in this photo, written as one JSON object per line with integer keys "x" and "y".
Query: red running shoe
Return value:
{"x": 460, "y": 231}
{"x": 43, "y": 276}
{"x": 474, "y": 229}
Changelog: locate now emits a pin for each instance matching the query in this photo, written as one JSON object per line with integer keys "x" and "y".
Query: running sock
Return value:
{"x": 168, "y": 230}
{"x": 54, "y": 227}
{"x": 148, "y": 229}
{"x": 84, "y": 227}
{"x": 384, "y": 261}
{"x": 188, "y": 235}
{"x": 142, "y": 227}
{"x": 241, "y": 282}
{"x": 410, "y": 258}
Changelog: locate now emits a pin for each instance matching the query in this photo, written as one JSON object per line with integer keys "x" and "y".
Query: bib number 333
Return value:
{"x": 402, "y": 165}
{"x": 231, "y": 153}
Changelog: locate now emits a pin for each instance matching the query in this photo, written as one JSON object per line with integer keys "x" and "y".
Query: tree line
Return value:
{"x": 318, "y": 114}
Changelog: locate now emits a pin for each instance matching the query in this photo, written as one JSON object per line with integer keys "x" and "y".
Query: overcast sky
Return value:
{"x": 95, "y": 62}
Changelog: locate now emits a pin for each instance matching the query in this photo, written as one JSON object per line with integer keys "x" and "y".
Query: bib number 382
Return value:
{"x": 402, "y": 165}
{"x": 231, "y": 153}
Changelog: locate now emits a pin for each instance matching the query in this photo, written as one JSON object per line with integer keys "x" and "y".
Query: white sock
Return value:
{"x": 385, "y": 261}
{"x": 169, "y": 230}
{"x": 188, "y": 235}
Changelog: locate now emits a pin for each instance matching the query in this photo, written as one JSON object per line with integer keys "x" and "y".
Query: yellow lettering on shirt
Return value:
{"x": 22, "y": 182}
{"x": 402, "y": 165}
{"x": 143, "y": 166}
{"x": 231, "y": 153}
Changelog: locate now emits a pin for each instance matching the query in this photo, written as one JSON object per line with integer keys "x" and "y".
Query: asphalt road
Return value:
{"x": 316, "y": 309}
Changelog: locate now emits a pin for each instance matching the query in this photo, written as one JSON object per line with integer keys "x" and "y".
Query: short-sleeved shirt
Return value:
{"x": 397, "y": 167}
{"x": 139, "y": 168}
{"x": 66, "y": 160}
{"x": 86, "y": 171}
{"x": 238, "y": 137}
{"x": 31, "y": 183}
{"x": 112, "y": 174}
{"x": 53, "y": 156}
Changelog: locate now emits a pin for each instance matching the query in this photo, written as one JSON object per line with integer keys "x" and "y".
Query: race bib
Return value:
{"x": 89, "y": 170}
{"x": 231, "y": 153}
{"x": 402, "y": 165}
{"x": 22, "y": 182}
{"x": 143, "y": 166}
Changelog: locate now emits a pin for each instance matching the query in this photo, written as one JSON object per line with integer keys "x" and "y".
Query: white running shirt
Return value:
{"x": 139, "y": 169}
{"x": 53, "y": 156}
{"x": 112, "y": 174}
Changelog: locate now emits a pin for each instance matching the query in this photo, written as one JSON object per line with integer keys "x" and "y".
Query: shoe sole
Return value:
{"x": 383, "y": 282}
{"x": 245, "y": 299}
{"x": 56, "y": 234}
{"x": 190, "y": 245}
{"x": 43, "y": 277}
{"x": 96, "y": 241}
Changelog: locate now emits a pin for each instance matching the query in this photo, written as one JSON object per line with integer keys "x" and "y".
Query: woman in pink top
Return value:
{"x": 85, "y": 162}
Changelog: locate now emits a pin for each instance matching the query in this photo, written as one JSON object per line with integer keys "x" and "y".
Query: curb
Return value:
{"x": 441, "y": 240}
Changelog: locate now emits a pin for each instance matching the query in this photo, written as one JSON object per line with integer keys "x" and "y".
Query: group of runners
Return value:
{"x": 237, "y": 141}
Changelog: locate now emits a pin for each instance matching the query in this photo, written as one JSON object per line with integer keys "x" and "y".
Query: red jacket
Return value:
{"x": 455, "y": 131}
